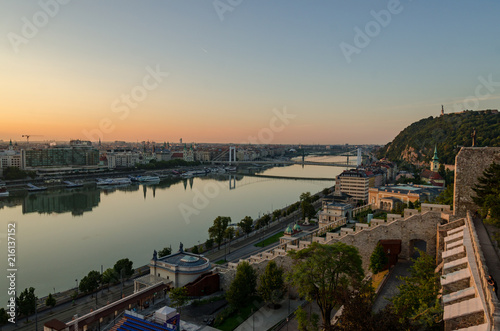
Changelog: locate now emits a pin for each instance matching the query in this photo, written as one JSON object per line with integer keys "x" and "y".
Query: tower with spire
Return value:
{"x": 435, "y": 160}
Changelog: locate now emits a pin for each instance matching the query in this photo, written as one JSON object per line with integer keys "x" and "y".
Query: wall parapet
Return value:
{"x": 493, "y": 305}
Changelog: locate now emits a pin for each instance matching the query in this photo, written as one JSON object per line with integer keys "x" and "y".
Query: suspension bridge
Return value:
{"x": 354, "y": 158}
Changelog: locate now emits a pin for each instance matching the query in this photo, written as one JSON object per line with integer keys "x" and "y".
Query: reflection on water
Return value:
{"x": 76, "y": 201}
{"x": 85, "y": 199}
{"x": 98, "y": 226}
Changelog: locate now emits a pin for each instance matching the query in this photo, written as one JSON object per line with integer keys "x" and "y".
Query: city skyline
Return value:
{"x": 285, "y": 72}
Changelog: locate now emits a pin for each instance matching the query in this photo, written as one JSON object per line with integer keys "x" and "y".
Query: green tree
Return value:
{"x": 165, "y": 252}
{"x": 11, "y": 173}
{"x": 357, "y": 314}
{"x": 417, "y": 300}
{"x": 322, "y": 272}
{"x": 488, "y": 193}
{"x": 272, "y": 284}
{"x": 378, "y": 259}
{"x": 4, "y": 317}
{"x": 178, "y": 296}
{"x": 26, "y": 302}
{"x": 126, "y": 265}
{"x": 195, "y": 250}
{"x": 217, "y": 230}
{"x": 243, "y": 285}
{"x": 209, "y": 244}
{"x": 246, "y": 224}
{"x": 306, "y": 323}
{"x": 229, "y": 234}
{"x": 109, "y": 276}
{"x": 306, "y": 205}
{"x": 91, "y": 282}
{"x": 446, "y": 197}
{"x": 50, "y": 301}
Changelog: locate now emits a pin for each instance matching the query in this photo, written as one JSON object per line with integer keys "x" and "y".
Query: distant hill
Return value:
{"x": 416, "y": 143}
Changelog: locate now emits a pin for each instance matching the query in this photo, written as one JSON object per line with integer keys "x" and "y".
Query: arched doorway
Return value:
{"x": 417, "y": 244}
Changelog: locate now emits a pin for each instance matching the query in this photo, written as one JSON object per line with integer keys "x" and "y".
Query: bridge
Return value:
{"x": 229, "y": 157}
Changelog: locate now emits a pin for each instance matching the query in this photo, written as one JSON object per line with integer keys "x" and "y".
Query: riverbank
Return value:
{"x": 238, "y": 249}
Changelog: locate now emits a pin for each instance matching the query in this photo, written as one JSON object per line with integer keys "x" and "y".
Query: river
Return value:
{"x": 63, "y": 234}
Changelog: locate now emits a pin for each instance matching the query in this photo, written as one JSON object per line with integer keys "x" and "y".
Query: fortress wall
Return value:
{"x": 470, "y": 163}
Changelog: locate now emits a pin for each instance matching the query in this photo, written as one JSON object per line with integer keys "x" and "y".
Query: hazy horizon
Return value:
{"x": 281, "y": 72}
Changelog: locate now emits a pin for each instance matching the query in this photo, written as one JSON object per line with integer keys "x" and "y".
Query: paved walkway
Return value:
{"x": 265, "y": 318}
{"x": 390, "y": 289}
{"x": 489, "y": 251}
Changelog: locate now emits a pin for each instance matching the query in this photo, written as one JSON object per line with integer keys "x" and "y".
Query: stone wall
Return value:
{"x": 470, "y": 163}
{"x": 416, "y": 227}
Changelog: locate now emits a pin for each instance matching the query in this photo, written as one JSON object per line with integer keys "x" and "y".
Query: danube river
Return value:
{"x": 63, "y": 234}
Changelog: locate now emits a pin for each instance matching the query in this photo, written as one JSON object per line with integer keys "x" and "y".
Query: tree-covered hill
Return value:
{"x": 415, "y": 144}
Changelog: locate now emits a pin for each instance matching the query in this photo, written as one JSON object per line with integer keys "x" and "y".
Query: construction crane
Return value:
{"x": 30, "y": 135}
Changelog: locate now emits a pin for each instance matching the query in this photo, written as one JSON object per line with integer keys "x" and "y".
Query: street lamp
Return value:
{"x": 76, "y": 280}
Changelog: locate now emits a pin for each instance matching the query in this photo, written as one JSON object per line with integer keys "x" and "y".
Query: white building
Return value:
{"x": 122, "y": 159}
{"x": 10, "y": 158}
{"x": 179, "y": 268}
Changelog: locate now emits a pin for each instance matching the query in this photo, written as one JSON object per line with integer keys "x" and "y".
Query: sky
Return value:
{"x": 239, "y": 71}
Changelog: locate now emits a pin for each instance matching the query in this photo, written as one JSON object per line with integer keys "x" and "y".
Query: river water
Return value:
{"x": 63, "y": 234}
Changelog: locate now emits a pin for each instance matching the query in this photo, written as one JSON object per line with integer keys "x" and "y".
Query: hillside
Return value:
{"x": 416, "y": 143}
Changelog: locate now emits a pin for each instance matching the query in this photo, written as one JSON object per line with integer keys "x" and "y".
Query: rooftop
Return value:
{"x": 184, "y": 259}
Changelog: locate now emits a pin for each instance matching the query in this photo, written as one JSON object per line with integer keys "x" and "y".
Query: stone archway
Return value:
{"x": 417, "y": 243}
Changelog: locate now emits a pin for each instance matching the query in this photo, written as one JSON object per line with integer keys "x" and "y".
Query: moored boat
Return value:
{"x": 113, "y": 181}
{"x": 3, "y": 191}
{"x": 142, "y": 179}
{"x": 33, "y": 188}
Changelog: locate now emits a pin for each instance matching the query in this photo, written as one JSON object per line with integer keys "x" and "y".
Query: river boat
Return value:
{"x": 33, "y": 188}
{"x": 147, "y": 179}
{"x": 193, "y": 173}
{"x": 3, "y": 191}
{"x": 70, "y": 184}
{"x": 113, "y": 181}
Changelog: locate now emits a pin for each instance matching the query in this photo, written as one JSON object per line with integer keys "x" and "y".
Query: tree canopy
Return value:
{"x": 417, "y": 300}
{"x": 243, "y": 285}
{"x": 50, "y": 301}
{"x": 378, "y": 259}
{"x": 26, "y": 302}
{"x": 91, "y": 282}
{"x": 165, "y": 252}
{"x": 110, "y": 276}
{"x": 322, "y": 272}
{"x": 178, "y": 296}
{"x": 127, "y": 267}
{"x": 488, "y": 193}
{"x": 272, "y": 284}
{"x": 218, "y": 229}
{"x": 447, "y": 133}
{"x": 246, "y": 224}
